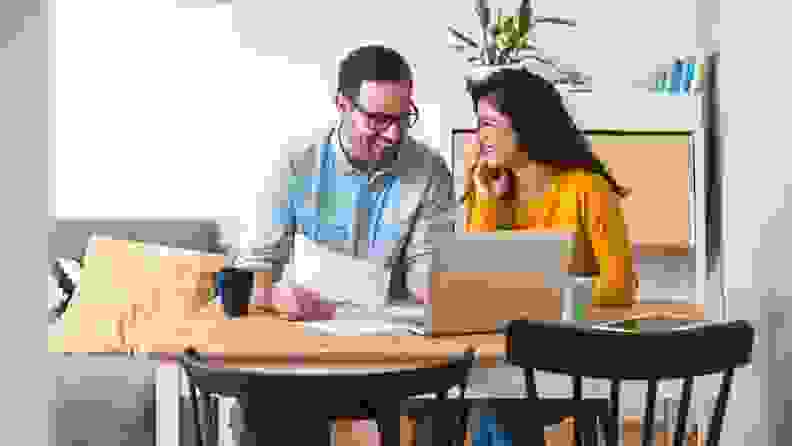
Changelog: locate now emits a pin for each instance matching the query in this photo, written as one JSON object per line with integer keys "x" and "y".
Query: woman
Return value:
{"x": 533, "y": 169}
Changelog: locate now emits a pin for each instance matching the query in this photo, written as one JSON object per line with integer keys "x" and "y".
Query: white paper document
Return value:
{"x": 358, "y": 327}
{"x": 338, "y": 277}
{"x": 355, "y": 320}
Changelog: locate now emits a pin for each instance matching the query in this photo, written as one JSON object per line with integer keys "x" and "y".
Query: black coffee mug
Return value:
{"x": 233, "y": 289}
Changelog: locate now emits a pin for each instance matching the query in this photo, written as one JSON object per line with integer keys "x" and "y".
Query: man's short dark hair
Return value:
{"x": 371, "y": 63}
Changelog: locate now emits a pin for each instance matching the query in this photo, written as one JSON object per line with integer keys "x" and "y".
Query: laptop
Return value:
{"x": 480, "y": 281}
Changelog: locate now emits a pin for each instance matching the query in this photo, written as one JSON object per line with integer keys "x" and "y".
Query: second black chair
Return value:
{"x": 645, "y": 350}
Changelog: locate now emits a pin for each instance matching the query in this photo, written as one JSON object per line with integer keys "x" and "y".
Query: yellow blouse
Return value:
{"x": 582, "y": 203}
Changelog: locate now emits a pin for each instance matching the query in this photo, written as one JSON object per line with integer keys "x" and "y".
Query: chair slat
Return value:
{"x": 716, "y": 423}
{"x": 647, "y": 438}
{"x": 577, "y": 387}
{"x": 205, "y": 412}
{"x": 196, "y": 415}
{"x": 612, "y": 431}
{"x": 684, "y": 407}
{"x": 530, "y": 383}
{"x": 577, "y": 395}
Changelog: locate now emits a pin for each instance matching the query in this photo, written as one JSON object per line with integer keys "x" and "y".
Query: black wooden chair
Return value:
{"x": 649, "y": 351}
{"x": 311, "y": 399}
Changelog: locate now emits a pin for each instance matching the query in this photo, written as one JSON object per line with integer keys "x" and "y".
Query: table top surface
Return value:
{"x": 264, "y": 340}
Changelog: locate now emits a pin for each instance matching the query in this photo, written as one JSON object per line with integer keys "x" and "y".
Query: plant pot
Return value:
{"x": 479, "y": 73}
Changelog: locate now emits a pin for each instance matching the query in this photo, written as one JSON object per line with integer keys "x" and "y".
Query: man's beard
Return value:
{"x": 370, "y": 149}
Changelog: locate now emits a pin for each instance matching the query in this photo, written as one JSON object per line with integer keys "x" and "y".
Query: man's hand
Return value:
{"x": 295, "y": 303}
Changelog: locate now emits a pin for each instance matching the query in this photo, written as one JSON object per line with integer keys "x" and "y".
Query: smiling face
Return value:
{"x": 374, "y": 117}
{"x": 498, "y": 144}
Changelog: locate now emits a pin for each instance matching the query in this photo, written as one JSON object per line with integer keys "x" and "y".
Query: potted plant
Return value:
{"x": 507, "y": 41}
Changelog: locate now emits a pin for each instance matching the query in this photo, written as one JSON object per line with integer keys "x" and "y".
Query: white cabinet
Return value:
{"x": 633, "y": 109}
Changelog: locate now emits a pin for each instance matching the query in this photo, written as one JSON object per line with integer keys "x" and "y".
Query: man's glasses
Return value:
{"x": 379, "y": 122}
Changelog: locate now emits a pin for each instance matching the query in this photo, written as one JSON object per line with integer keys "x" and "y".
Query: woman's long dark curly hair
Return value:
{"x": 541, "y": 122}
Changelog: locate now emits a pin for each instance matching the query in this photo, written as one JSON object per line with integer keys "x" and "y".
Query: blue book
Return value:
{"x": 676, "y": 77}
{"x": 691, "y": 77}
{"x": 684, "y": 78}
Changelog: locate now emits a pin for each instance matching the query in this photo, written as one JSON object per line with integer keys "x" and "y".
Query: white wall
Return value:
{"x": 161, "y": 109}
{"x": 161, "y": 113}
{"x": 23, "y": 189}
{"x": 758, "y": 216}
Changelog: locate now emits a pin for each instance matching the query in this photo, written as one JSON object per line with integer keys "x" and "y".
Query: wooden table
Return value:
{"x": 263, "y": 340}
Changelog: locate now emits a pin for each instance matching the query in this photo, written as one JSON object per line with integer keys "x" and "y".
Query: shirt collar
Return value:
{"x": 344, "y": 164}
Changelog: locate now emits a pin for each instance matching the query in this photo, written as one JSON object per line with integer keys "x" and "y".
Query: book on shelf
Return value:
{"x": 700, "y": 76}
{"x": 660, "y": 81}
{"x": 684, "y": 76}
{"x": 680, "y": 71}
{"x": 691, "y": 75}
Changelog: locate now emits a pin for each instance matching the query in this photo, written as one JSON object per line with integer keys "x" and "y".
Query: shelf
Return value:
{"x": 658, "y": 250}
{"x": 634, "y": 109}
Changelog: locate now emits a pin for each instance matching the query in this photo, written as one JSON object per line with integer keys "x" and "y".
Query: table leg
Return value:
{"x": 225, "y": 435}
{"x": 168, "y": 390}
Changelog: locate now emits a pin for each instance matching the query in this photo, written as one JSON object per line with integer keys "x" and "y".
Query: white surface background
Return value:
{"x": 162, "y": 109}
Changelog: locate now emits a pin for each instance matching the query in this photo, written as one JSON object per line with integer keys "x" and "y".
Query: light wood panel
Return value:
{"x": 656, "y": 170}
{"x": 655, "y": 166}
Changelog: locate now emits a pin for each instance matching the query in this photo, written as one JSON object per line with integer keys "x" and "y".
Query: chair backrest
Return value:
{"x": 346, "y": 393}
{"x": 651, "y": 351}
{"x": 345, "y": 384}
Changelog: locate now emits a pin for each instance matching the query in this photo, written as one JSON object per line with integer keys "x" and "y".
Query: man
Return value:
{"x": 360, "y": 202}
{"x": 365, "y": 194}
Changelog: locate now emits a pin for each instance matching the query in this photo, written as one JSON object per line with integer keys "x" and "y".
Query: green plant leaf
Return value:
{"x": 525, "y": 14}
{"x": 556, "y": 21}
{"x": 525, "y": 44}
{"x": 502, "y": 41}
{"x": 483, "y": 11}
{"x": 492, "y": 53}
{"x": 463, "y": 38}
{"x": 510, "y": 25}
{"x": 514, "y": 40}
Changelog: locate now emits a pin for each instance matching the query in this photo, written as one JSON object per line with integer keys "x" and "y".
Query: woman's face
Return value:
{"x": 497, "y": 140}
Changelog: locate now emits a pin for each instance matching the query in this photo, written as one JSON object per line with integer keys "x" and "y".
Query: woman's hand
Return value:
{"x": 486, "y": 181}
{"x": 494, "y": 184}
{"x": 489, "y": 182}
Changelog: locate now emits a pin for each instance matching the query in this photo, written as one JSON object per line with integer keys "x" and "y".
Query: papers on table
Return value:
{"x": 387, "y": 320}
{"x": 356, "y": 327}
